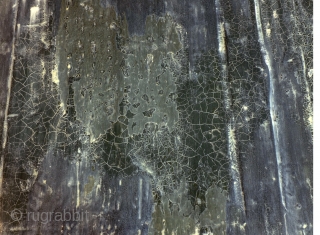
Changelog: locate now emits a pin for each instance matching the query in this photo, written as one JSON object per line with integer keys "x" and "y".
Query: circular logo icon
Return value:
{"x": 16, "y": 215}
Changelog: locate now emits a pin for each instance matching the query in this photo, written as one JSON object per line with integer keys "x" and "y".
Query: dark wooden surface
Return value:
{"x": 234, "y": 155}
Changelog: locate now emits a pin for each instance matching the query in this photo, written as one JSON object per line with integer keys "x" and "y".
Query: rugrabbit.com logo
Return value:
{"x": 45, "y": 216}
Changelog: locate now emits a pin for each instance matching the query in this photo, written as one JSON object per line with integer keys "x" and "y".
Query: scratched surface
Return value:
{"x": 156, "y": 117}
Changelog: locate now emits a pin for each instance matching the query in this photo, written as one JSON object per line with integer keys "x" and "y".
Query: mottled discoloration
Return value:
{"x": 88, "y": 51}
{"x": 159, "y": 117}
{"x": 152, "y": 86}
